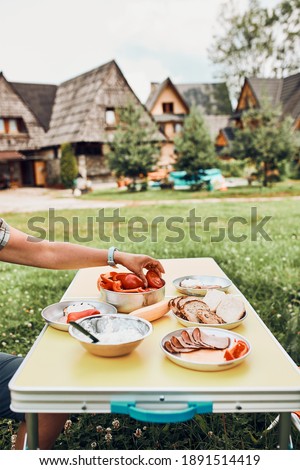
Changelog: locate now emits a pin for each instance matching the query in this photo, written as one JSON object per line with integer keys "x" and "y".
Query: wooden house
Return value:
{"x": 85, "y": 114}
{"x": 25, "y": 111}
{"x": 35, "y": 120}
{"x": 284, "y": 92}
{"x": 169, "y": 104}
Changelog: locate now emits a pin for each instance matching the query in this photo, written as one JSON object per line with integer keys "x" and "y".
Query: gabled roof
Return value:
{"x": 12, "y": 104}
{"x": 266, "y": 88}
{"x": 209, "y": 98}
{"x": 156, "y": 90}
{"x": 80, "y": 103}
{"x": 290, "y": 96}
{"x": 279, "y": 91}
{"x": 39, "y": 98}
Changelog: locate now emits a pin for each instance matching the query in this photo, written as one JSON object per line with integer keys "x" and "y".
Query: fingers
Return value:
{"x": 155, "y": 265}
{"x": 143, "y": 277}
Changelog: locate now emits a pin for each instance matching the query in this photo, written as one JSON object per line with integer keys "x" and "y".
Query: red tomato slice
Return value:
{"x": 154, "y": 280}
{"x": 238, "y": 350}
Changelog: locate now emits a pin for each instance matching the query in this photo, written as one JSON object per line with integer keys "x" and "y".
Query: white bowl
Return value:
{"x": 54, "y": 314}
{"x": 223, "y": 284}
{"x": 112, "y": 326}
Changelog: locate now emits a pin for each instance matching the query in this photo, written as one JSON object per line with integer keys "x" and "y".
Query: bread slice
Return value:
{"x": 181, "y": 302}
{"x": 192, "y": 309}
{"x": 231, "y": 309}
{"x": 209, "y": 318}
{"x": 213, "y": 298}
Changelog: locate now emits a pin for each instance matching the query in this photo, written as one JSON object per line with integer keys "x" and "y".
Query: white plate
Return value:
{"x": 223, "y": 282}
{"x": 213, "y": 365}
{"x": 226, "y": 326}
{"x": 54, "y": 313}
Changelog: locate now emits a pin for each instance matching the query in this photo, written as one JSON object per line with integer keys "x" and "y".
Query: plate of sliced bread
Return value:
{"x": 215, "y": 309}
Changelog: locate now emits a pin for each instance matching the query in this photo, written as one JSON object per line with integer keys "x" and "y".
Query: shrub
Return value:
{"x": 68, "y": 166}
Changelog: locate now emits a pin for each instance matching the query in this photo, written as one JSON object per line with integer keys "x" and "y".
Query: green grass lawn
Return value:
{"x": 267, "y": 272}
{"x": 286, "y": 188}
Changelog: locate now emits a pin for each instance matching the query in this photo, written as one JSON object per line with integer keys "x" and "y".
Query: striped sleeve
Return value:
{"x": 4, "y": 233}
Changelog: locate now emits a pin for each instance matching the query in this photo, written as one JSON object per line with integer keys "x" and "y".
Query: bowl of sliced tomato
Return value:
{"x": 126, "y": 291}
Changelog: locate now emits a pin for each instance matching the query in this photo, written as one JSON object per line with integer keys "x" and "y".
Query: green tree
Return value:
{"x": 266, "y": 139}
{"x": 68, "y": 165}
{"x": 134, "y": 149}
{"x": 260, "y": 42}
{"x": 194, "y": 146}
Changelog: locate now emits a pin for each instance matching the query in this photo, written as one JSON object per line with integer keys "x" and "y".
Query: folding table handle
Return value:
{"x": 163, "y": 416}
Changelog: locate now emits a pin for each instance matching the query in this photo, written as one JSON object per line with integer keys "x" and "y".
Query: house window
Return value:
{"x": 12, "y": 126}
{"x": 110, "y": 116}
{"x": 178, "y": 127}
{"x": 168, "y": 108}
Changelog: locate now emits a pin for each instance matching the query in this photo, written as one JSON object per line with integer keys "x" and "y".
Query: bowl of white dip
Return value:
{"x": 117, "y": 334}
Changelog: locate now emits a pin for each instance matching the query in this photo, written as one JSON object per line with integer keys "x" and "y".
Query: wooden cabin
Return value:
{"x": 278, "y": 91}
{"x": 85, "y": 115}
{"x": 35, "y": 120}
{"x": 169, "y": 104}
{"x": 25, "y": 111}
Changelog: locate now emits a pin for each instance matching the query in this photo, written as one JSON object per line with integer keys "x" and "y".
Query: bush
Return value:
{"x": 68, "y": 166}
{"x": 231, "y": 167}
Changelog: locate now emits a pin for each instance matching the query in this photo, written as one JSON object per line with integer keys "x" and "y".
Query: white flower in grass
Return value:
{"x": 108, "y": 437}
{"x": 99, "y": 429}
{"x": 93, "y": 445}
{"x": 138, "y": 433}
{"x": 116, "y": 424}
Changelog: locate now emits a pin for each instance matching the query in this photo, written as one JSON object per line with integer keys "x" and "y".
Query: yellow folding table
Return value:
{"x": 58, "y": 375}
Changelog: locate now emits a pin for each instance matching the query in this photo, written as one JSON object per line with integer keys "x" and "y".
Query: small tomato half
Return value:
{"x": 154, "y": 280}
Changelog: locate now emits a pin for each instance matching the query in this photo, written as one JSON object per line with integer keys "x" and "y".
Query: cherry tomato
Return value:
{"x": 154, "y": 280}
{"x": 131, "y": 281}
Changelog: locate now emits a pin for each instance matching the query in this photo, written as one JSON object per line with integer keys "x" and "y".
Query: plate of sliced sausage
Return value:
{"x": 205, "y": 349}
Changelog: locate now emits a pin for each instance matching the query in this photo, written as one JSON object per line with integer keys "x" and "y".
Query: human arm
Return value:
{"x": 30, "y": 251}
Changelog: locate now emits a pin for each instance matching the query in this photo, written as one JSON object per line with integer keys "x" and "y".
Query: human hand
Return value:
{"x": 136, "y": 263}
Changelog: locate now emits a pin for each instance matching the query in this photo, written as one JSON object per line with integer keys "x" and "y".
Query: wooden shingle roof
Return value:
{"x": 157, "y": 88}
{"x": 283, "y": 91}
{"x": 209, "y": 98}
{"x": 80, "y": 104}
{"x": 13, "y": 105}
{"x": 39, "y": 98}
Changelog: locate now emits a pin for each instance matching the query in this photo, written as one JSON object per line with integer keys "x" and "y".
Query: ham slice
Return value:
{"x": 191, "y": 340}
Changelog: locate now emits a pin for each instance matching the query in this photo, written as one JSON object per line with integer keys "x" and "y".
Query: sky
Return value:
{"x": 50, "y": 41}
